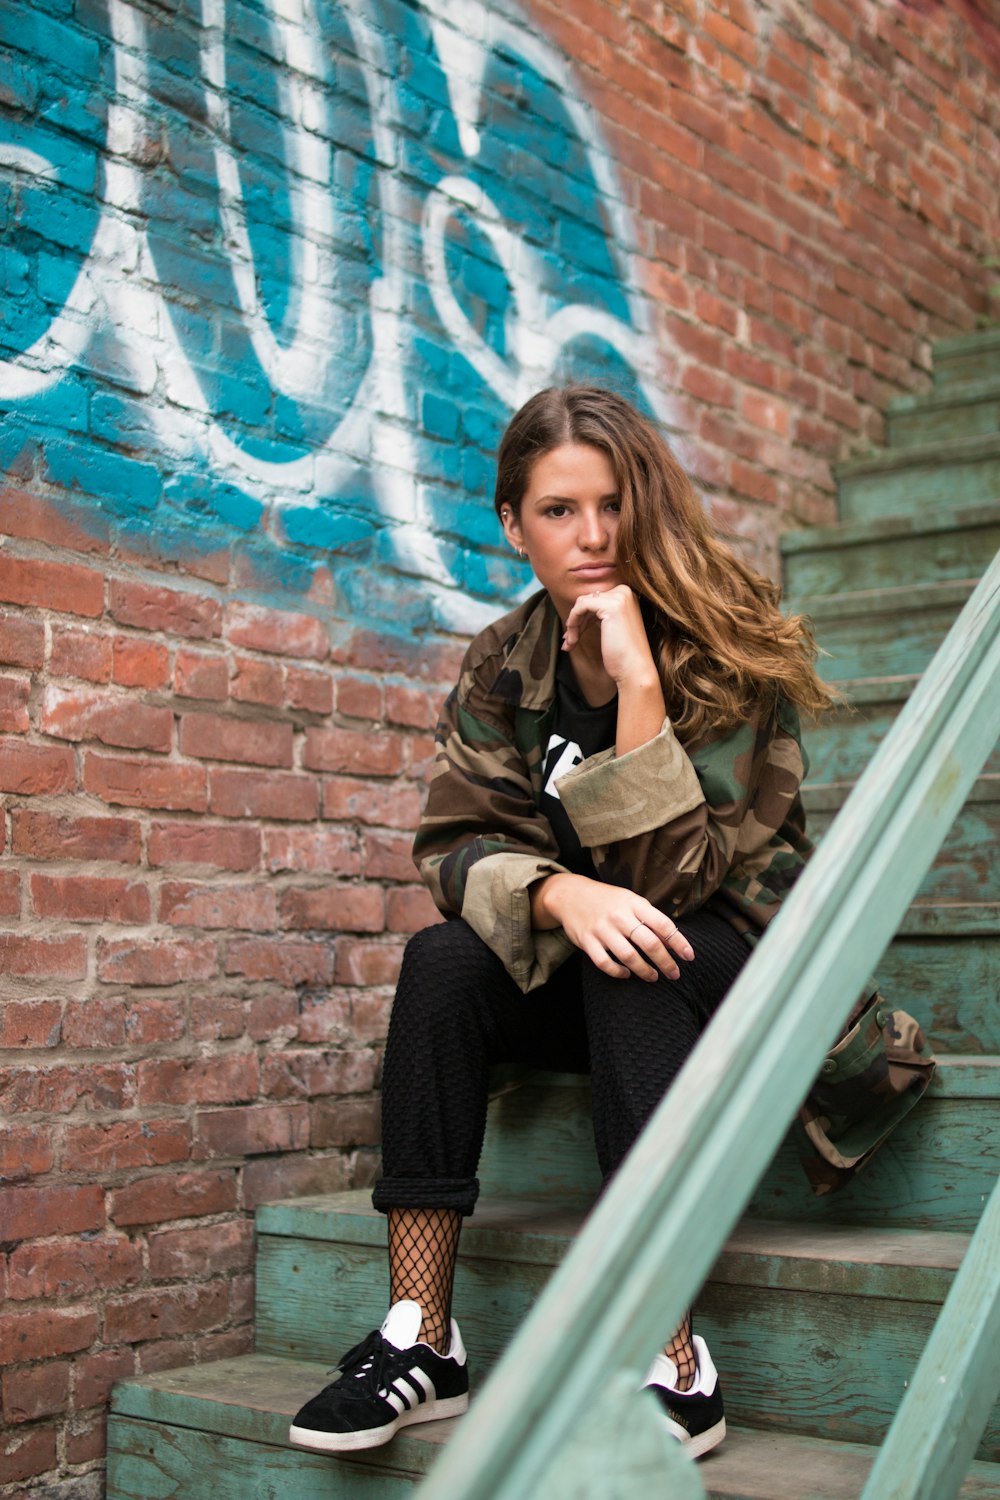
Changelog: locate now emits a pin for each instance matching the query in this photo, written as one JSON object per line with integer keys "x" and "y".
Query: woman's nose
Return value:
{"x": 593, "y": 531}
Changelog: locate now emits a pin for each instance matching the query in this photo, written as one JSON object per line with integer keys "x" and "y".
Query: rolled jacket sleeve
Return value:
{"x": 610, "y": 797}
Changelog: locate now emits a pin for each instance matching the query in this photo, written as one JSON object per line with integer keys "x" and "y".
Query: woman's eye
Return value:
{"x": 557, "y": 511}
{"x": 615, "y": 507}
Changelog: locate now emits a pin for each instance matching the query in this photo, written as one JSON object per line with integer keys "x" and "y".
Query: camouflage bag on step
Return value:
{"x": 868, "y": 1082}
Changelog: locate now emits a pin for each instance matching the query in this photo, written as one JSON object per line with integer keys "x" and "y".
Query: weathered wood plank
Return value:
{"x": 962, "y": 473}
{"x": 931, "y": 547}
{"x": 956, "y": 1383}
{"x": 155, "y": 1461}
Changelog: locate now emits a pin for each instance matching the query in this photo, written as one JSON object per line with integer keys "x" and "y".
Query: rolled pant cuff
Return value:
{"x": 426, "y": 1192}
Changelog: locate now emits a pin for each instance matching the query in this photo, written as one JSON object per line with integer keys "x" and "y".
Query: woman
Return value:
{"x": 613, "y": 818}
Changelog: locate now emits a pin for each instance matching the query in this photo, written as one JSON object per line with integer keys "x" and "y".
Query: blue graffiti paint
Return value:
{"x": 276, "y": 277}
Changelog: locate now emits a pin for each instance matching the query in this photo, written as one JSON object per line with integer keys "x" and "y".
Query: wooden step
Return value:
{"x": 219, "y": 1430}
{"x": 935, "y": 1171}
{"x": 888, "y": 552}
{"x": 963, "y": 473}
{"x": 973, "y": 356}
{"x": 851, "y": 1305}
{"x": 965, "y": 868}
{"x": 970, "y": 409}
{"x": 886, "y": 632}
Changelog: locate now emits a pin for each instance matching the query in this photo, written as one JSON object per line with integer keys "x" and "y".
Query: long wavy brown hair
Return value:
{"x": 723, "y": 647}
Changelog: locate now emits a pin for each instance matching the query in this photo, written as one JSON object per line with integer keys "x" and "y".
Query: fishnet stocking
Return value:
{"x": 681, "y": 1350}
{"x": 423, "y": 1244}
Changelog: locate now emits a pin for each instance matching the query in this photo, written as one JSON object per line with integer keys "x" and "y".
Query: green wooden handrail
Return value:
{"x": 653, "y": 1237}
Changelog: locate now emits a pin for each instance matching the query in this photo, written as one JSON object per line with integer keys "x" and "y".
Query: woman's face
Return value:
{"x": 568, "y": 523}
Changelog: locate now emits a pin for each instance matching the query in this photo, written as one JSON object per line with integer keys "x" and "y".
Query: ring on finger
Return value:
{"x": 635, "y": 929}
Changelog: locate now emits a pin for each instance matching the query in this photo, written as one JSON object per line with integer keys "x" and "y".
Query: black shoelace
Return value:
{"x": 368, "y": 1367}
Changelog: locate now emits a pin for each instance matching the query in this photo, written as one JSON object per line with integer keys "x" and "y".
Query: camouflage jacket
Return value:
{"x": 719, "y": 822}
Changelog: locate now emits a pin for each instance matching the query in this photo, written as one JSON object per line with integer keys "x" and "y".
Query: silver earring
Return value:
{"x": 522, "y": 554}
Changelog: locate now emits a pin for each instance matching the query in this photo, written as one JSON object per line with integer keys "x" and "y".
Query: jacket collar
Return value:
{"x": 527, "y": 677}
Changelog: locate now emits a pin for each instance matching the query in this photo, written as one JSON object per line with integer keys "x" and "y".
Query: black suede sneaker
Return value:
{"x": 695, "y": 1417}
{"x": 387, "y": 1381}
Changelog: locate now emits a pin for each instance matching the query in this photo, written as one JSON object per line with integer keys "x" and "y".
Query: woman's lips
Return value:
{"x": 599, "y": 570}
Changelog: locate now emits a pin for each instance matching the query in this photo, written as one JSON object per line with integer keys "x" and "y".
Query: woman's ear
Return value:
{"x": 512, "y": 529}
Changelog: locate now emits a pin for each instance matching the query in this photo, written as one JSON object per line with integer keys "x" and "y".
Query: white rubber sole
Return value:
{"x": 704, "y": 1442}
{"x": 375, "y": 1437}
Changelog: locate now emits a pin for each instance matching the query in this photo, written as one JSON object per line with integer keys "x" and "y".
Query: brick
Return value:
{"x": 80, "y": 651}
{"x": 57, "y": 523}
{"x": 155, "y": 1018}
{"x": 10, "y": 893}
{"x": 35, "y": 1392}
{"x": 273, "y": 1016}
{"x": 193, "y": 1254}
{"x": 277, "y": 632}
{"x": 173, "y": 1195}
{"x": 146, "y": 783}
{"x": 252, "y": 1131}
{"x": 257, "y": 794}
{"x": 14, "y": 695}
{"x": 199, "y": 674}
{"x": 96, "y": 1022}
{"x": 121, "y": 1145}
{"x": 258, "y": 682}
{"x": 389, "y": 805}
{"x": 367, "y": 963}
{"x": 86, "y": 1438}
{"x": 326, "y": 1018}
{"x": 249, "y": 741}
{"x": 346, "y": 1123}
{"x": 85, "y": 714}
{"x": 67, "y": 588}
{"x": 31, "y": 1212}
{"x": 97, "y": 1086}
{"x": 208, "y": 1080}
{"x": 308, "y": 690}
{"x": 174, "y": 611}
{"x": 43, "y": 957}
{"x": 411, "y": 705}
{"x": 124, "y": 961}
{"x": 216, "y": 1017}
{"x": 359, "y": 697}
{"x": 95, "y": 1374}
{"x": 41, "y": 835}
{"x": 139, "y": 663}
{"x": 369, "y": 1016}
{"x": 163, "y": 1313}
{"x": 388, "y": 856}
{"x": 25, "y": 1152}
{"x": 90, "y": 898}
{"x": 44, "y": 1333}
{"x": 216, "y": 844}
{"x": 272, "y": 1178}
{"x": 303, "y": 1074}
{"x": 320, "y": 850}
{"x": 354, "y": 752}
{"x": 186, "y": 904}
{"x": 25, "y": 1454}
{"x": 410, "y": 909}
{"x": 36, "y": 770}
{"x": 71, "y": 1268}
{"x": 284, "y": 960}
{"x": 344, "y": 908}
{"x": 229, "y": 1344}
{"x": 22, "y": 642}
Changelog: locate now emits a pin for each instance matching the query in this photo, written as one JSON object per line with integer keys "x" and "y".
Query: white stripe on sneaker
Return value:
{"x": 409, "y": 1392}
{"x": 423, "y": 1380}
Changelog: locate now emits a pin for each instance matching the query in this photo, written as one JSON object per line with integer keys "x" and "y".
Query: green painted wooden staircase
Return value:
{"x": 816, "y": 1310}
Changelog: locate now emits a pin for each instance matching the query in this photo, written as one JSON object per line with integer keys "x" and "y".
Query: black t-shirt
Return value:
{"x": 578, "y": 731}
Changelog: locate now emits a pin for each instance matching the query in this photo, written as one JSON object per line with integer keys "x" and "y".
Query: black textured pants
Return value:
{"x": 457, "y": 1012}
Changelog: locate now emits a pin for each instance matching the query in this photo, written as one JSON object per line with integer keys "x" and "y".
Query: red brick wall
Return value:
{"x": 208, "y": 798}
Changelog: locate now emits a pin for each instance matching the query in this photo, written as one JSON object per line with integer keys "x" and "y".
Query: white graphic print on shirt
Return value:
{"x": 558, "y": 762}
